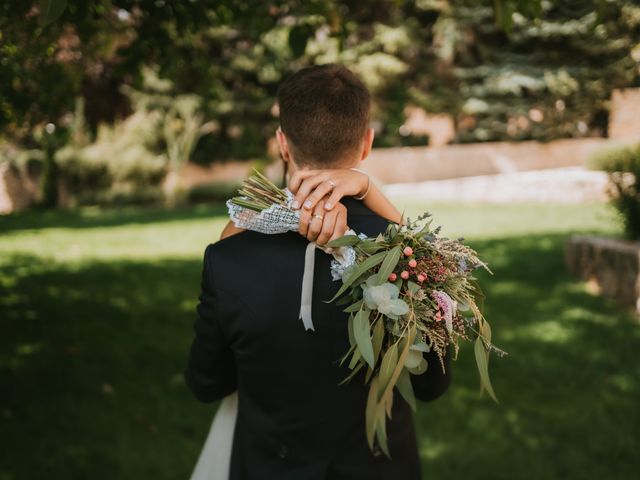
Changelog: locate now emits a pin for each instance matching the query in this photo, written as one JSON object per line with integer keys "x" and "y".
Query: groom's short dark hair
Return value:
{"x": 324, "y": 113}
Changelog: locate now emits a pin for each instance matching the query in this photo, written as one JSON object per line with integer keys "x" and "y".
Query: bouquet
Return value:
{"x": 407, "y": 291}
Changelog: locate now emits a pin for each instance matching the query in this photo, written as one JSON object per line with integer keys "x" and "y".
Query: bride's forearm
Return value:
{"x": 230, "y": 229}
{"x": 378, "y": 203}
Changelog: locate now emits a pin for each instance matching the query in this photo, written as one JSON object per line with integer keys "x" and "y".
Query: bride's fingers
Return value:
{"x": 307, "y": 186}
{"x": 303, "y": 225}
{"x": 321, "y": 191}
{"x": 315, "y": 223}
{"x": 336, "y": 195}
{"x": 297, "y": 178}
{"x": 341, "y": 226}
{"x": 328, "y": 227}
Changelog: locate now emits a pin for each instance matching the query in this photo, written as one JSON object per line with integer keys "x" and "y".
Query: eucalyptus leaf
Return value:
{"x": 344, "y": 241}
{"x": 352, "y": 338}
{"x": 483, "y": 368}
{"x": 389, "y": 362}
{"x": 388, "y": 401}
{"x": 355, "y": 359}
{"x": 388, "y": 264}
{"x": 392, "y": 231}
{"x": 352, "y": 374}
{"x": 354, "y": 307}
{"x": 381, "y": 430}
{"x": 370, "y": 247}
{"x": 406, "y": 389}
{"x": 378, "y": 337}
{"x": 343, "y": 301}
{"x": 370, "y": 417}
{"x": 362, "y": 334}
{"x": 359, "y": 270}
{"x": 346, "y": 355}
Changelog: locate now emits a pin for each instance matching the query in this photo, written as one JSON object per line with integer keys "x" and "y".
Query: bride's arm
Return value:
{"x": 323, "y": 217}
{"x": 230, "y": 229}
{"x": 311, "y": 186}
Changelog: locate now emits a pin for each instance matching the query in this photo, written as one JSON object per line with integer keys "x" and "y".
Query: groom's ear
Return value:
{"x": 367, "y": 143}
{"x": 283, "y": 145}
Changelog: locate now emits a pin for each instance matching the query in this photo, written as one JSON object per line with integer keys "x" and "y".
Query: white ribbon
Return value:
{"x": 344, "y": 256}
{"x": 307, "y": 286}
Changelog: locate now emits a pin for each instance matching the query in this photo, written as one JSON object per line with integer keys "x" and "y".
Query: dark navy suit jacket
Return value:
{"x": 294, "y": 420}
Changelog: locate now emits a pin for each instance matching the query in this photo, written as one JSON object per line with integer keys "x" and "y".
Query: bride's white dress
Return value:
{"x": 215, "y": 457}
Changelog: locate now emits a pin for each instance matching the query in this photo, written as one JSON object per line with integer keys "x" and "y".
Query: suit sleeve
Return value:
{"x": 434, "y": 382}
{"x": 211, "y": 367}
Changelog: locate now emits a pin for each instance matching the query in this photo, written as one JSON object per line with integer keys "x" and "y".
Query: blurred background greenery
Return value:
{"x": 103, "y": 104}
{"x": 108, "y": 97}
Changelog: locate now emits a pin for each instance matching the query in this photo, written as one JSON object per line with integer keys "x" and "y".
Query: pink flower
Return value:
{"x": 408, "y": 251}
{"x": 393, "y": 277}
{"x": 413, "y": 263}
{"x": 421, "y": 278}
{"x": 404, "y": 274}
{"x": 445, "y": 304}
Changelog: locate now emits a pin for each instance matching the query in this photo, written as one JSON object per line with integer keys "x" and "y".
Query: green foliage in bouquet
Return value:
{"x": 409, "y": 292}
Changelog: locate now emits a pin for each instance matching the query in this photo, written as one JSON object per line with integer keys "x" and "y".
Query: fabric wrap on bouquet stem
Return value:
{"x": 282, "y": 218}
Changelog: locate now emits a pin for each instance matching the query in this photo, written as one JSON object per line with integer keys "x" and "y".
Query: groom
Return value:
{"x": 294, "y": 420}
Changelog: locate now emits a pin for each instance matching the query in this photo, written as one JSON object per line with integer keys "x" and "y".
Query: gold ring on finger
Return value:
{"x": 319, "y": 217}
{"x": 332, "y": 183}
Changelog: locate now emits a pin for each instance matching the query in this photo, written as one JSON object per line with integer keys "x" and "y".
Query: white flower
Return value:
{"x": 384, "y": 298}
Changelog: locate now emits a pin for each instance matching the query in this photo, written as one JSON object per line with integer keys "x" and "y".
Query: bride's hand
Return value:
{"x": 311, "y": 186}
{"x": 322, "y": 226}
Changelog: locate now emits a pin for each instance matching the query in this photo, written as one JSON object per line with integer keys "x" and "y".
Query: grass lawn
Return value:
{"x": 95, "y": 319}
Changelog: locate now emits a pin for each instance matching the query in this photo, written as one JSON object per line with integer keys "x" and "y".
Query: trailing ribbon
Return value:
{"x": 343, "y": 257}
{"x": 307, "y": 286}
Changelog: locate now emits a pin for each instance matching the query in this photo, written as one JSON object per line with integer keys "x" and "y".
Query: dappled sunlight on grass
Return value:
{"x": 96, "y": 317}
{"x": 506, "y": 220}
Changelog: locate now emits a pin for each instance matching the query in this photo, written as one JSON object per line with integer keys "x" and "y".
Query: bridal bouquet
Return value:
{"x": 407, "y": 291}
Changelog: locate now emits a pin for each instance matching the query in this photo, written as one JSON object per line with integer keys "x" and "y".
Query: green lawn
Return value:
{"x": 95, "y": 320}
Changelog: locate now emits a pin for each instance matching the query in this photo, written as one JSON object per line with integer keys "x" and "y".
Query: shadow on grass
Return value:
{"x": 92, "y": 357}
{"x": 91, "y": 217}
{"x": 91, "y": 370}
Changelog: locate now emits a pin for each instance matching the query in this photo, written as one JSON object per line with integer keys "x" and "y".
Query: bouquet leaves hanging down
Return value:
{"x": 407, "y": 292}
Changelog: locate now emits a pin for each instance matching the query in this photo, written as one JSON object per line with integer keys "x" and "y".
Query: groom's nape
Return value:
{"x": 324, "y": 118}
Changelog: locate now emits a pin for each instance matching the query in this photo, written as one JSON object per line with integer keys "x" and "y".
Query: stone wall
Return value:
{"x": 611, "y": 267}
{"x": 417, "y": 164}
{"x": 624, "y": 121}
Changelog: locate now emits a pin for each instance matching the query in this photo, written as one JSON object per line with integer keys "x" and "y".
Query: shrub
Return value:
{"x": 122, "y": 163}
{"x": 623, "y": 166}
{"x": 218, "y": 192}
